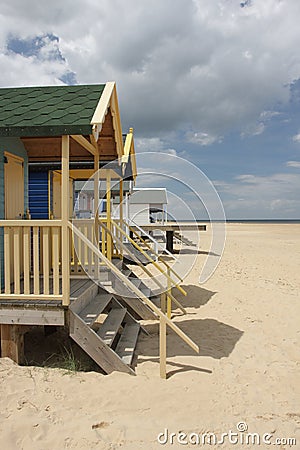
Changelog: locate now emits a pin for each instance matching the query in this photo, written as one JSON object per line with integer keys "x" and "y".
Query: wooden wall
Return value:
{"x": 14, "y": 146}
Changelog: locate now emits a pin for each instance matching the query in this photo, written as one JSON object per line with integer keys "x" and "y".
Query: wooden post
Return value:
{"x": 169, "y": 300}
{"x": 121, "y": 213}
{"x": 163, "y": 340}
{"x": 169, "y": 243}
{"x": 96, "y": 212}
{"x": 65, "y": 219}
{"x": 108, "y": 212}
{"x": 12, "y": 343}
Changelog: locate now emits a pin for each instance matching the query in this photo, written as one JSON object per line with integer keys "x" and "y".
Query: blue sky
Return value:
{"x": 216, "y": 83}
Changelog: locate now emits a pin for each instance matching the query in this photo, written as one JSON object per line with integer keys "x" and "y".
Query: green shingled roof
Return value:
{"x": 48, "y": 111}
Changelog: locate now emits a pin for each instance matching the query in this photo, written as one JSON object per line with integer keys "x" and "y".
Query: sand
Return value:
{"x": 245, "y": 319}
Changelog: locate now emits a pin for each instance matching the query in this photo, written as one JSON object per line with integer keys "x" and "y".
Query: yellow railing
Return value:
{"x": 164, "y": 320}
{"x": 151, "y": 260}
{"x": 170, "y": 297}
{"x": 32, "y": 259}
{"x": 159, "y": 257}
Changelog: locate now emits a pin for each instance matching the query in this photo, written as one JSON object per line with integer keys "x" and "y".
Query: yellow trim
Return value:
{"x": 85, "y": 174}
{"x": 103, "y": 104}
{"x": 129, "y": 151}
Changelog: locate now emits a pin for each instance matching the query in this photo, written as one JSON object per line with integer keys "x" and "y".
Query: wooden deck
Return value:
{"x": 77, "y": 286}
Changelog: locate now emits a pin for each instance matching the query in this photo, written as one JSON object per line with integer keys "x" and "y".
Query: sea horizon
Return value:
{"x": 261, "y": 221}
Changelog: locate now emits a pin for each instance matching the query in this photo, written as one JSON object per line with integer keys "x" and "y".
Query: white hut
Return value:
{"x": 148, "y": 205}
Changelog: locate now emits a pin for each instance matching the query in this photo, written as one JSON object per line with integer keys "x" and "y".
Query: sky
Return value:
{"x": 216, "y": 83}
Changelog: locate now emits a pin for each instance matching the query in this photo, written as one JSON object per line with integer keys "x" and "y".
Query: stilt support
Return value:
{"x": 12, "y": 342}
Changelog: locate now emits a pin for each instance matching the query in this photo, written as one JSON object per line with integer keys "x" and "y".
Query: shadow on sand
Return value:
{"x": 194, "y": 251}
{"x": 196, "y": 296}
{"x": 215, "y": 339}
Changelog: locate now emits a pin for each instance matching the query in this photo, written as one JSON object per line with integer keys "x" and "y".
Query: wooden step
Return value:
{"x": 136, "y": 282}
{"x": 118, "y": 263}
{"x": 90, "y": 313}
{"x": 146, "y": 291}
{"x": 133, "y": 251}
{"x": 111, "y": 325}
{"x": 93, "y": 345}
{"x": 156, "y": 300}
{"x": 127, "y": 343}
{"x": 127, "y": 272}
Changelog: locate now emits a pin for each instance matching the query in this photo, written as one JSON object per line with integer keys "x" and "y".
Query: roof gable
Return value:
{"x": 48, "y": 111}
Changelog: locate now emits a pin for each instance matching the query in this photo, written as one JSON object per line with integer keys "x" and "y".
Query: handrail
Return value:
{"x": 153, "y": 251}
{"x": 149, "y": 236}
{"x": 149, "y": 258}
{"x": 135, "y": 259}
{"x": 133, "y": 288}
{"x": 30, "y": 223}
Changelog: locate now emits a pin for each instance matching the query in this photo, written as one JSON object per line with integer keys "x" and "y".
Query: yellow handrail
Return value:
{"x": 133, "y": 288}
{"x": 149, "y": 258}
{"x": 170, "y": 296}
{"x": 153, "y": 251}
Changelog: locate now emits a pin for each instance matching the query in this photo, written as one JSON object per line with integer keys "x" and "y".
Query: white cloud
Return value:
{"x": 254, "y": 129}
{"x": 202, "y": 139}
{"x": 295, "y": 164}
{"x": 197, "y": 65}
{"x": 261, "y": 196}
{"x": 296, "y": 138}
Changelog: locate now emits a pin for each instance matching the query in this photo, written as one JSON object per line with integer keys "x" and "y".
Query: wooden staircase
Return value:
{"x": 181, "y": 238}
{"x": 124, "y": 295}
{"x": 105, "y": 330}
{"x": 103, "y": 325}
{"x": 131, "y": 251}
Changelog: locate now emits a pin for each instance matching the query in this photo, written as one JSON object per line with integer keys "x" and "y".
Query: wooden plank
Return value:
{"x": 169, "y": 298}
{"x": 17, "y": 260}
{"x": 46, "y": 258}
{"x": 134, "y": 303}
{"x": 108, "y": 331}
{"x": 108, "y": 215}
{"x": 95, "y": 227}
{"x": 84, "y": 143}
{"x": 12, "y": 343}
{"x": 117, "y": 123}
{"x": 96, "y": 306}
{"x": 127, "y": 343}
{"x": 7, "y": 260}
{"x": 93, "y": 345}
{"x": 55, "y": 259}
{"x": 22, "y": 297}
{"x": 65, "y": 144}
{"x": 27, "y": 316}
{"x": 29, "y": 223}
{"x": 83, "y": 296}
{"x": 169, "y": 243}
{"x": 26, "y": 259}
{"x": 162, "y": 348}
{"x": 36, "y": 261}
{"x": 103, "y": 104}
{"x": 121, "y": 211}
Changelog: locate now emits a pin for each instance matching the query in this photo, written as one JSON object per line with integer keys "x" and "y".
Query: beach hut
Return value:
{"x": 148, "y": 205}
{"x": 61, "y": 270}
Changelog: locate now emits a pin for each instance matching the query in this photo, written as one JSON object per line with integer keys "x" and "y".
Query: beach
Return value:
{"x": 245, "y": 319}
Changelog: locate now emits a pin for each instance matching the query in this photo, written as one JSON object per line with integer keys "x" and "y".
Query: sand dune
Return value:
{"x": 245, "y": 319}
